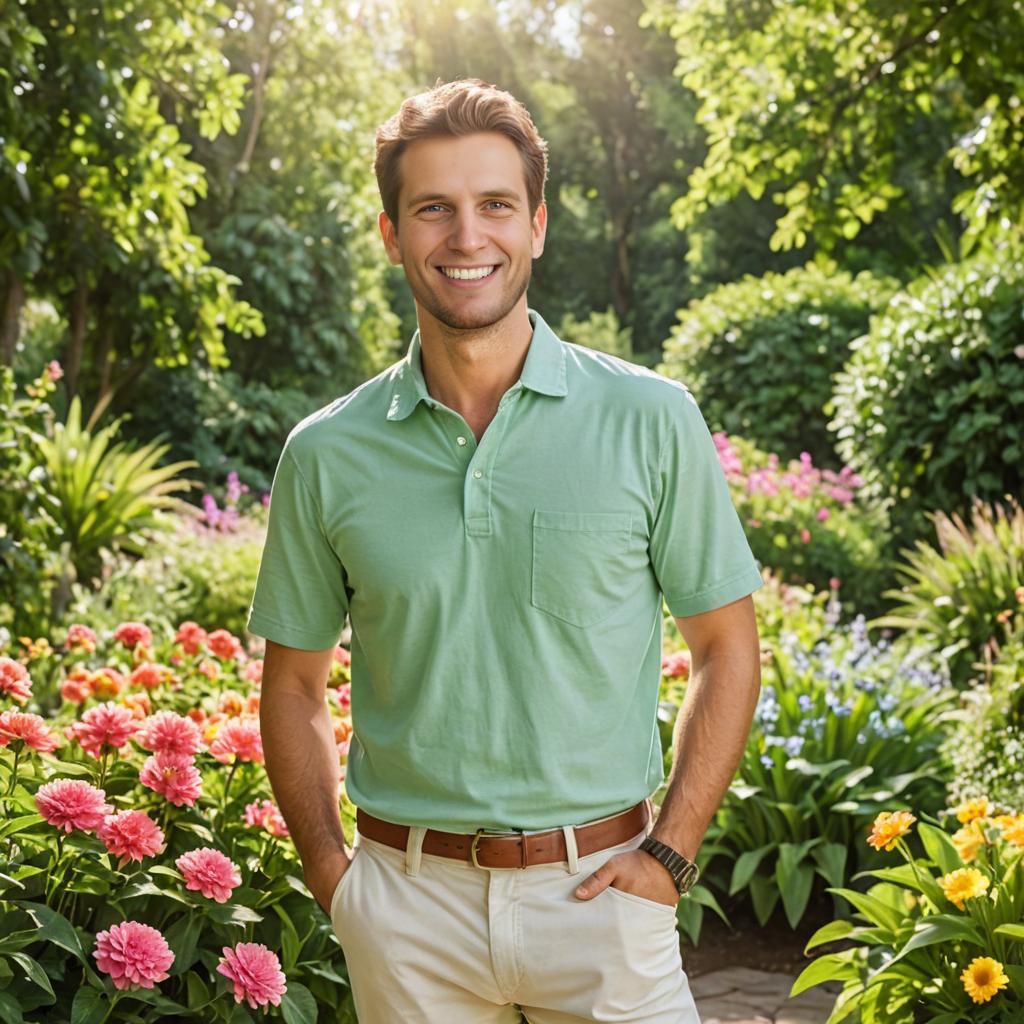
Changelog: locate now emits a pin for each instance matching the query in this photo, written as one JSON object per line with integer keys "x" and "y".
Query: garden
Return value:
{"x": 827, "y": 248}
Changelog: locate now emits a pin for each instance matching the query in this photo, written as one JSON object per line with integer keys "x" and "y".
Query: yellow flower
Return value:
{"x": 963, "y": 884}
{"x": 967, "y": 840}
{"x": 1004, "y": 821}
{"x": 888, "y": 827}
{"x": 1015, "y": 832}
{"x": 984, "y": 978}
{"x": 972, "y": 809}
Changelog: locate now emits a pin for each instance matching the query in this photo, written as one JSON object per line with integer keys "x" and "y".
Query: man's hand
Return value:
{"x": 636, "y": 872}
{"x": 324, "y": 879}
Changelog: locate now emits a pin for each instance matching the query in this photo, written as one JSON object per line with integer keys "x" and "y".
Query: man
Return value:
{"x": 500, "y": 514}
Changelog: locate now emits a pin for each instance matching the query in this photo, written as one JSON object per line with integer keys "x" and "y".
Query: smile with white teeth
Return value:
{"x": 466, "y": 274}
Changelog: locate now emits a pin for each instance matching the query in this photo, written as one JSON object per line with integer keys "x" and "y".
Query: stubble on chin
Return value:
{"x": 459, "y": 320}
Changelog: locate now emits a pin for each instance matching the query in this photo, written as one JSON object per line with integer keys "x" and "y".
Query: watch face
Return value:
{"x": 688, "y": 877}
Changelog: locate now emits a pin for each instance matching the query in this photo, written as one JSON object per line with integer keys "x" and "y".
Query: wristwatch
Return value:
{"x": 684, "y": 872}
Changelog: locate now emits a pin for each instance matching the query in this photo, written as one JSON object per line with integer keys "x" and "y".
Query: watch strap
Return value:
{"x": 683, "y": 871}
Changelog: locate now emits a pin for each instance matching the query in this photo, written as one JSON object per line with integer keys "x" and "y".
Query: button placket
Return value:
{"x": 477, "y": 489}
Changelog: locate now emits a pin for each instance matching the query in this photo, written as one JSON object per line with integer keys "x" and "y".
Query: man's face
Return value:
{"x": 465, "y": 237}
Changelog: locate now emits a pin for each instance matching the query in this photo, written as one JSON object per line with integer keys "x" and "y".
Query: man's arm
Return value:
{"x": 710, "y": 734}
{"x": 302, "y": 761}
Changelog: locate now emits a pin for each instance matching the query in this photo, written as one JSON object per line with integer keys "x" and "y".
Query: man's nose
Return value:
{"x": 467, "y": 234}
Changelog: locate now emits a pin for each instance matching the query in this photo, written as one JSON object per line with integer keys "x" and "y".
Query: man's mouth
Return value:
{"x": 467, "y": 273}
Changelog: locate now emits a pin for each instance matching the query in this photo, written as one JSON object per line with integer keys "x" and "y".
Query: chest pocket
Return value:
{"x": 581, "y": 564}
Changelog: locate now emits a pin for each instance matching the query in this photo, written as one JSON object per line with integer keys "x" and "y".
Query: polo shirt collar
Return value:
{"x": 544, "y": 370}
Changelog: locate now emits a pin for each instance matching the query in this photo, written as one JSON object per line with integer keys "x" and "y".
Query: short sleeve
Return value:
{"x": 300, "y": 598}
{"x": 698, "y": 549}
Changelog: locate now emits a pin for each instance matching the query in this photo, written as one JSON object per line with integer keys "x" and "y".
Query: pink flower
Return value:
{"x": 823, "y": 514}
{"x": 833, "y": 583}
{"x": 344, "y": 696}
{"x": 80, "y": 638}
{"x": 253, "y": 672}
{"x": 224, "y": 644}
{"x": 191, "y": 636}
{"x": 131, "y": 835}
{"x": 805, "y": 535}
{"x": 54, "y": 370}
{"x": 266, "y": 815}
{"x": 29, "y": 729}
{"x": 106, "y": 725}
{"x": 209, "y": 668}
{"x": 208, "y": 871}
{"x": 133, "y": 954}
{"x": 14, "y": 680}
{"x": 134, "y": 634}
{"x": 342, "y": 656}
{"x": 238, "y": 738}
{"x": 150, "y": 676}
{"x": 77, "y": 687}
{"x": 256, "y": 972}
{"x": 676, "y": 666}
{"x": 174, "y": 776}
{"x": 72, "y": 803}
{"x": 169, "y": 733}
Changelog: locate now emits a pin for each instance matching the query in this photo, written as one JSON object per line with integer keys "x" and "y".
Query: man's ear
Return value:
{"x": 539, "y": 228}
{"x": 389, "y": 233}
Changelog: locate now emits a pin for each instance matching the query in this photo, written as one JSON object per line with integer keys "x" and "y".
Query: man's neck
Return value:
{"x": 469, "y": 371}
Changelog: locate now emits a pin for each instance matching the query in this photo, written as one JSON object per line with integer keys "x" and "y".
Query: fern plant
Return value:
{"x": 101, "y": 493}
{"x": 968, "y": 593}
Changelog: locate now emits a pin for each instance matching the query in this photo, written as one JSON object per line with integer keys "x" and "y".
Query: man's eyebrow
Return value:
{"x": 493, "y": 193}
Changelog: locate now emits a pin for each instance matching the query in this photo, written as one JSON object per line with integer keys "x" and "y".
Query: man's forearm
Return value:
{"x": 303, "y": 767}
{"x": 708, "y": 740}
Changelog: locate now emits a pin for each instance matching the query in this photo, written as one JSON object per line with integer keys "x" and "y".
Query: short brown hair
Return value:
{"x": 461, "y": 107}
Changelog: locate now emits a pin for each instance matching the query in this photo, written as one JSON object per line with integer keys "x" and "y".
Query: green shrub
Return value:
{"x": 928, "y": 408}
{"x": 965, "y": 594}
{"x": 986, "y": 747}
{"x": 807, "y": 523}
{"x": 600, "y": 331}
{"x": 759, "y": 354}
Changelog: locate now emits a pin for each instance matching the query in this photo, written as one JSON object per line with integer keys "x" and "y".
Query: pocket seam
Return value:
{"x": 341, "y": 887}
{"x": 642, "y": 900}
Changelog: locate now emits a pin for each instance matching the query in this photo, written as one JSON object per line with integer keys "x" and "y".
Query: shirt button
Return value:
{"x": 461, "y": 440}
{"x": 477, "y": 473}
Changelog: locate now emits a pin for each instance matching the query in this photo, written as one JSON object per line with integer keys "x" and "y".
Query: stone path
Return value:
{"x": 740, "y": 995}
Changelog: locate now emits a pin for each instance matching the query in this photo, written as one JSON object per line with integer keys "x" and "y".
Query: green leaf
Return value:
{"x": 941, "y": 928}
{"x": 89, "y": 1006}
{"x": 795, "y": 887}
{"x": 830, "y": 933}
{"x": 831, "y": 861}
{"x": 10, "y": 1010}
{"x": 873, "y": 909}
{"x": 297, "y": 1004}
{"x": 183, "y": 937}
{"x": 745, "y": 866}
{"x": 290, "y": 945}
{"x": 832, "y": 967}
{"x": 1014, "y": 931}
{"x": 19, "y": 824}
{"x": 939, "y": 847}
{"x": 34, "y": 972}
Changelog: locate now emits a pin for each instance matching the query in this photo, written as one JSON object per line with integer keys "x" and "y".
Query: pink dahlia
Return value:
{"x": 266, "y": 815}
{"x": 169, "y": 733}
{"x": 133, "y": 954}
{"x": 238, "y": 738}
{"x": 210, "y": 872}
{"x": 256, "y": 973}
{"x": 677, "y": 665}
{"x": 174, "y": 776}
{"x": 29, "y": 729}
{"x": 134, "y": 634}
{"x": 80, "y": 638}
{"x": 224, "y": 644}
{"x": 150, "y": 676}
{"x": 131, "y": 835}
{"x": 14, "y": 680}
{"x": 191, "y": 636}
{"x": 77, "y": 687}
{"x": 106, "y": 682}
{"x": 253, "y": 672}
{"x": 72, "y": 803}
{"x": 106, "y": 725}
{"x": 342, "y": 656}
{"x": 344, "y": 695}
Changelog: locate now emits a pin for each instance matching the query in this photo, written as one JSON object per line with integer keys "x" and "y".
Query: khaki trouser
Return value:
{"x": 432, "y": 940}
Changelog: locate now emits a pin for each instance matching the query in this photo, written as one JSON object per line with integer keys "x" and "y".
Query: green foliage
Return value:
{"x": 27, "y": 564}
{"x": 759, "y": 354}
{"x": 965, "y": 595}
{"x": 843, "y": 727}
{"x": 815, "y": 103}
{"x": 100, "y": 493}
{"x": 915, "y": 944}
{"x": 808, "y": 524}
{"x": 927, "y": 410}
{"x": 986, "y": 745}
{"x": 600, "y": 331}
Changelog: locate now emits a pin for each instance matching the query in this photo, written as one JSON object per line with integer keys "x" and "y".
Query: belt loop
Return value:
{"x": 571, "y": 853}
{"x": 414, "y": 849}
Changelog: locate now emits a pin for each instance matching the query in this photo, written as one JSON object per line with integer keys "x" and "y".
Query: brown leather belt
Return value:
{"x": 491, "y": 848}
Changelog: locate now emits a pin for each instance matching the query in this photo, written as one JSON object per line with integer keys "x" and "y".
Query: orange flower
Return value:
{"x": 984, "y": 978}
{"x": 968, "y": 839}
{"x": 963, "y": 884}
{"x": 888, "y": 827}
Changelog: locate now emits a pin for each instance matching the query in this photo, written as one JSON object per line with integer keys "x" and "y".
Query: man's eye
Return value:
{"x": 432, "y": 206}
{"x": 496, "y": 202}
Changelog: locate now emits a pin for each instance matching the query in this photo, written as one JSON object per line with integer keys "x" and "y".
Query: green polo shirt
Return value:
{"x": 505, "y": 597}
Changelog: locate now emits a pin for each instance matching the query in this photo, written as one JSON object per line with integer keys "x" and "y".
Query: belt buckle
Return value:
{"x": 481, "y": 832}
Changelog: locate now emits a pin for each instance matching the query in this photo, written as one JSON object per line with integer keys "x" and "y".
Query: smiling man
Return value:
{"x": 501, "y": 515}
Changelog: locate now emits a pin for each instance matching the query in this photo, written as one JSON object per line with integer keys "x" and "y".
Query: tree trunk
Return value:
{"x": 76, "y": 343}
{"x": 14, "y": 299}
{"x": 622, "y": 267}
